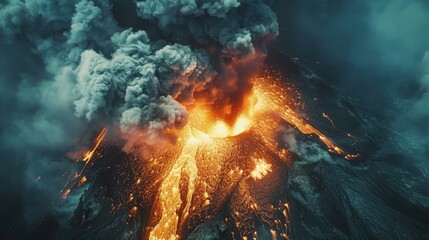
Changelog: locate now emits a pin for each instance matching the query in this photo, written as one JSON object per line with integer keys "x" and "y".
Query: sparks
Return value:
{"x": 272, "y": 98}
{"x": 74, "y": 183}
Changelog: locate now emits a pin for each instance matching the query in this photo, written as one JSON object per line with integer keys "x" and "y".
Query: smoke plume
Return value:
{"x": 75, "y": 66}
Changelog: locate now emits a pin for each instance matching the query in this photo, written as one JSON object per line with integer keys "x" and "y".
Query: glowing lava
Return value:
{"x": 219, "y": 169}
{"x": 169, "y": 197}
{"x": 207, "y": 122}
{"x": 273, "y": 99}
{"x": 221, "y": 130}
{"x": 88, "y": 155}
{"x": 193, "y": 189}
{"x": 261, "y": 169}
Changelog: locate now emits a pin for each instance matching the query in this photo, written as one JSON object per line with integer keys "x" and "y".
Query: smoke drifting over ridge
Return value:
{"x": 73, "y": 67}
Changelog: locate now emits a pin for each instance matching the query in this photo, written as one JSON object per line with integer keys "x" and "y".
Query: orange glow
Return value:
{"x": 329, "y": 119}
{"x": 74, "y": 183}
{"x": 203, "y": 119}
{"x": 132, "y": 211}
{"x": 261, "y": 169}
{"x": 352, "y": 156}
{"x": 82, "y": 181}
{"x": 273, "y": 235}
{"x": 208, "y": 143}
{"x": 272, "y": 98}
{"x": 221, "y": 130}
{"x": 88, "y": 155}
{"x": 65, "y": 193}
{"x": 169, "y": 192}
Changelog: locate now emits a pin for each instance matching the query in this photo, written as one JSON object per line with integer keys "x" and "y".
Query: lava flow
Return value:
{"x": 238, "y": 165}
{"x": 233, "y": 172}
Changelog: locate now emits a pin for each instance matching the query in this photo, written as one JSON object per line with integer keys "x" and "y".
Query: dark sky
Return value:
{"x": 371, "y": 45}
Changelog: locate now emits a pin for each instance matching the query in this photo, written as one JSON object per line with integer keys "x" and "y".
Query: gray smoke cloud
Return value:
{"x": 68, "y": 67}
{"x": 138, "y": 85}
{"x": 235, "y": 25}
{"x": 121, "y": 74}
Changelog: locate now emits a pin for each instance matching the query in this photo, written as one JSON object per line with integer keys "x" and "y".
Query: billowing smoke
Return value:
{"x": 139, "y": 84}
{"x": 69, "y": 67}
{"x": 120, "y": 75}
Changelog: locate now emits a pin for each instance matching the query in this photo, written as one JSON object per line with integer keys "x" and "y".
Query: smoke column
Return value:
{"x": 78, "y": 65}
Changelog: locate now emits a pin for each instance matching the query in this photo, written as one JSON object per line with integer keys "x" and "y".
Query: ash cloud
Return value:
{"x": 69, "y": 67}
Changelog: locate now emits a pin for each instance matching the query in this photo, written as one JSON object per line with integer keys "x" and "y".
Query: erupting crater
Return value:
{"x": 230, "y": 172}
{"x": 204, "y": 120}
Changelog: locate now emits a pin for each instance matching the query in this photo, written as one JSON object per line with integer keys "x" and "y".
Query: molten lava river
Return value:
{"x": 235, "y": 172}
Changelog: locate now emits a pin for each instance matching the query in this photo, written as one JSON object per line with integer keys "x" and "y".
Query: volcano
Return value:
{"x": 214, "y": 119}
{"x": 220, "y": 181}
